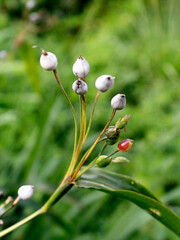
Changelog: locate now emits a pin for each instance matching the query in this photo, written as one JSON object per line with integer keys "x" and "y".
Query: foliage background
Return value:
{"x": 136, "y": 41}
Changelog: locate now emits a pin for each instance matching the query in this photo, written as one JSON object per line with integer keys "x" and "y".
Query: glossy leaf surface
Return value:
{"x": 129, "y": 189}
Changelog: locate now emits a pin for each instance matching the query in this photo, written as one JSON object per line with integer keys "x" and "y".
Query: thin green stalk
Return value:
{"x": 81, "y": 113}
{"x": 110, "y": 155}
{"x": 5, "y": 204}
{"x": 7, "y": 209}
{"x": 72, "y": 108}
{"x": 82, "y": 130}
{"x": 91, "y": 117}
{"x": 84, "y": 118}
{"x": 60, "y": 191}
{"x": 93, "y": 163}
{"x": 71, "y": 166}
{"x": 102, "y": 139}
{"x": 90, "y": 121}
{"x": 20, "y": 223}
{"x": 93, "y": 146}
{"x": 82, "y": 125}
{"x": 81, "y": 135}
{"x": 103, "y": 148}
{"x": 85, "y": 169}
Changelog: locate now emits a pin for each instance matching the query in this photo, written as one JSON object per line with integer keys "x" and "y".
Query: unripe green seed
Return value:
{"x": 103, "y": 161}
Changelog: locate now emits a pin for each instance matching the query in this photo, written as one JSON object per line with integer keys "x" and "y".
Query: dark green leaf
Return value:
{"x": 130, "y": 189}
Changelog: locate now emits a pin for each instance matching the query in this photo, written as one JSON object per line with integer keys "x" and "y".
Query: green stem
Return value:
{"x": 110, "y": 155}
{"x": 103, "y": 148}
{"x": 7, "y": 209}
{"x": 4, "y": 206}
{"x": 81, "y": 136}
{"x": 82, "y": 126}
{"x": 91, "y": 117}
{"x": 93, "y": 163}
{"x": 84, "y": 118}
{"x": 93, "y": 146}
{"x": 90, "y": 121}
{"x": 102, "y": 139}
{"x": 82, "y": 129}
{"x": 72, "y": 108}
{"x": 60, "y": 191}
{"x": 20, "y": 223}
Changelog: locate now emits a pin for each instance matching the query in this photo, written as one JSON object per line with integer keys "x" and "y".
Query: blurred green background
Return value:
{"x": 136, "y": 41}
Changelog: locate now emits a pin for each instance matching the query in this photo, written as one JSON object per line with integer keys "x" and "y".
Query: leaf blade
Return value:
{"x": 129, "y": 189}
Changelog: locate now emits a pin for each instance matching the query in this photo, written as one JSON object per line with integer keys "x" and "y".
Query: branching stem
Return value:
{"x": 93, "y": 146}
{"x": 81, "y": 136}
{"x": 59, "y": 193}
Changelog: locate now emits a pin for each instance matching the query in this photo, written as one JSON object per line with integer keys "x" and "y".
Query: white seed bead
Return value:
{"x": 81, "y": 67}
{"x": 48, "y": 61}
{"x": 30, "y": 4}
{"x": 104, "y": 83}
{"x": 80, "y": 87}
{"x": 118, "y": 102}
{"x": 25, "y": 192}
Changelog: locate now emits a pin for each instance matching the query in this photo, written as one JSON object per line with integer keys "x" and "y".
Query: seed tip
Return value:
{"x": 44, "y": 52}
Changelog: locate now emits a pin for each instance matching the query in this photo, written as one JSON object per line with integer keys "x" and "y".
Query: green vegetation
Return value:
{"x": 136, "y": 41}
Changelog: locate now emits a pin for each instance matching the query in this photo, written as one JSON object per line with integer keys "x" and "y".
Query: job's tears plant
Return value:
{"x": 92, "y": 175}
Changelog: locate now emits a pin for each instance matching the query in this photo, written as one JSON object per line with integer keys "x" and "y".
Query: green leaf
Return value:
{"x": 129, "y": 189}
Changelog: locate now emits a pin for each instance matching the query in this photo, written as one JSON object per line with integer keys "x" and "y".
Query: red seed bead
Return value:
{"x": 125, "y": 145}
